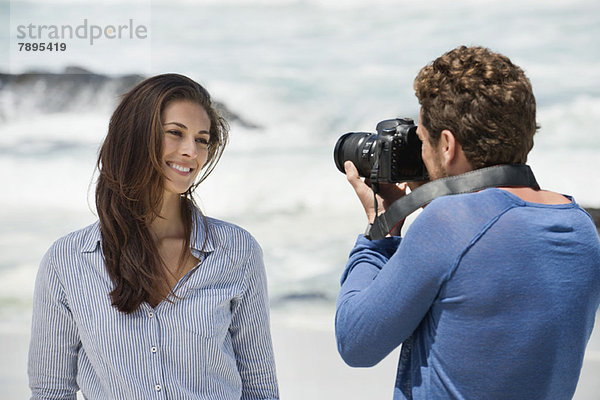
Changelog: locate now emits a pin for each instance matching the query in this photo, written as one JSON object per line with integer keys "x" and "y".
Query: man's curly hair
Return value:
{"x": 484, "y": 99}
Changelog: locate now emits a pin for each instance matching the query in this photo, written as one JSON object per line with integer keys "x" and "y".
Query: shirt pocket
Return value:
{"x": 207, "y": 311}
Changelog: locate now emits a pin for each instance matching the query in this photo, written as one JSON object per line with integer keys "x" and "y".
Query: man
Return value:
{"x": 492, "y": 294}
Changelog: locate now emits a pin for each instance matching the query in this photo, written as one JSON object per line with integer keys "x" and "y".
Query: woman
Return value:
{"x": 154, "y": 300}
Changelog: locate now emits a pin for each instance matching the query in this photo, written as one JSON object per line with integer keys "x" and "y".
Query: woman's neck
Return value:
{"x": 169, "y": 223}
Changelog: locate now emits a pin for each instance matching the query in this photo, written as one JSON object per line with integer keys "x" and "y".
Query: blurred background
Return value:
{"x": 293, "y": 76}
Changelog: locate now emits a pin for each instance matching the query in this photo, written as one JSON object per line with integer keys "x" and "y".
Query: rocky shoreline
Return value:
{"x": 73, "y": 90}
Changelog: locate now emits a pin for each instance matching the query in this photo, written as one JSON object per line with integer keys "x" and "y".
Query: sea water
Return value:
{"x": 302, "y": 72}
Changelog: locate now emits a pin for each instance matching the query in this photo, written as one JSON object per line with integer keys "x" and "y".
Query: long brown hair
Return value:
{"x": 130, "y": 186}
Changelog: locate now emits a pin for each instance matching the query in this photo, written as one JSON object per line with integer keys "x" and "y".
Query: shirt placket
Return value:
{"x": 155, "y": 354}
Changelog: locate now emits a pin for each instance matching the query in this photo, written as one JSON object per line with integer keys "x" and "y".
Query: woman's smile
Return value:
{"x": 185, "y": 171}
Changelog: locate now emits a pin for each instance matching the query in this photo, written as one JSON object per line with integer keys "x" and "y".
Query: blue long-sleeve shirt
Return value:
{"x": 493, "y": 297}
{"x": 211, "y": 341}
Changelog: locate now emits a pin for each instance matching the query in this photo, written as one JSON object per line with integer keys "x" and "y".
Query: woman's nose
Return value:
{"x": 188, "y": 147}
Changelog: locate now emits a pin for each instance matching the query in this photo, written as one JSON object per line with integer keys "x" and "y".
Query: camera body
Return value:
{"x": 391, "y": 155}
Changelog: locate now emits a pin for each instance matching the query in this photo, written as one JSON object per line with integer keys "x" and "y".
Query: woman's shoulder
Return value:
{"x": 220, "y": 232}
{"x": 65, "y": 254}
{"x": 225, "y": 230}
{"x": 225, "y": 225}
{"x": 83, "y": 240}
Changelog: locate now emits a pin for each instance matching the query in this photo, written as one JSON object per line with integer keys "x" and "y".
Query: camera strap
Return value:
{"x": 472, "y": 181}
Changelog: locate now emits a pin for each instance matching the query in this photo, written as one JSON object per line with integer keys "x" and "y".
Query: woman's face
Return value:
{"x": 185, "y": 148}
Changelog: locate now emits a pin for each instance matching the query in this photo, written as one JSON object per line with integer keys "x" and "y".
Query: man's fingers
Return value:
{"x": 352, "y": 174}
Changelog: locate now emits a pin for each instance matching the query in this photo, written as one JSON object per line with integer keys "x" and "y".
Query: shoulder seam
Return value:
{"x": 476, "y": 238}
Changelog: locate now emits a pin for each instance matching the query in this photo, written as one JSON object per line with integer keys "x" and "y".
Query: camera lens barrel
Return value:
{"x": 358, "y": 147}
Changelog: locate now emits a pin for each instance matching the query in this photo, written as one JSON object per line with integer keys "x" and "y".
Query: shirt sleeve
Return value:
{"x": 250, "y": 333}
{"x": 387, "y": 288}
{"x": 54, "y": 345}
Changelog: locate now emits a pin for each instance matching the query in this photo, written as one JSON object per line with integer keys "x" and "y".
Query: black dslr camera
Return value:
{"x": 391, "y": 155}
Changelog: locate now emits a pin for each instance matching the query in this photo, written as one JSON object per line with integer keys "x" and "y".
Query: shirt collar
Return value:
{"x": 92, "y": 239}
{"x": 199, "y": 240}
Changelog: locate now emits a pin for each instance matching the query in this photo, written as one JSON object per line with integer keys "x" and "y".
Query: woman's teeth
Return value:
{"x": 179, "y": 168}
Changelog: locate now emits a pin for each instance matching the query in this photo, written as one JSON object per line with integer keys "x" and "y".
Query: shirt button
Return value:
{"x": 151, "y": 314}
{"x": 153, "y": 349}
{"x": 158, "y": 388}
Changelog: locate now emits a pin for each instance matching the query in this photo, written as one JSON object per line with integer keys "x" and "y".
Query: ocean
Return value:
{"x": 298, "y": 74}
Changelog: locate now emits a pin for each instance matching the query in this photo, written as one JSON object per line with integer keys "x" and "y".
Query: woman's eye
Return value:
{"x": 174, "y": 132}
{"x": 203, "y": 141}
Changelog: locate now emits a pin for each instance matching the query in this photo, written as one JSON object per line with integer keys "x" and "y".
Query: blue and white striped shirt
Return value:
{"x": 211, "y": 342}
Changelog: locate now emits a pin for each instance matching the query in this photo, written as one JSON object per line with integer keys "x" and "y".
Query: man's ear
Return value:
{"x": 448, "y": 147}
{"x": 453, "y": 157}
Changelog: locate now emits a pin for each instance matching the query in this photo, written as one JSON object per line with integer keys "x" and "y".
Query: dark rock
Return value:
{"x": 33, "y": 93}
{"x": 595, "y": 213}
{"x": 76, "y": 89}
{"x": 232, "y": 117}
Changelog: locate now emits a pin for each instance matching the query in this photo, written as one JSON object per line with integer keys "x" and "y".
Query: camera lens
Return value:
{"x": 358, "y": 147}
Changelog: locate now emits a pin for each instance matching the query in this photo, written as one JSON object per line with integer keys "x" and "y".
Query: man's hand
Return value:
{"x": 388, "y": 192}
